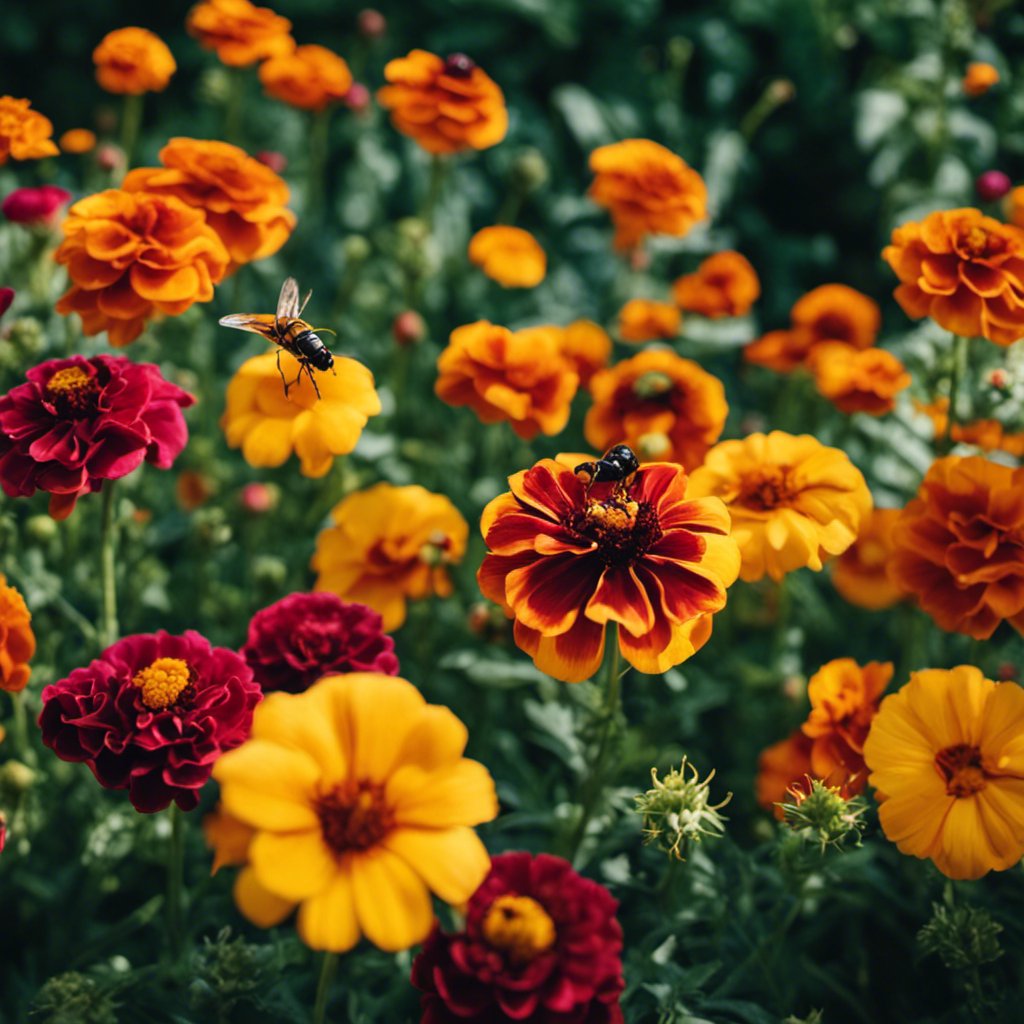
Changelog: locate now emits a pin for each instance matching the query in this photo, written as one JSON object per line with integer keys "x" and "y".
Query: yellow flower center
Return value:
{"x": 163, "y": 682}
{"x": 435, "y": 551}
{"x": 978, "y": 243}
{"x": 355, "y": 816}
{"x": 873, "y": 554}
{"x": 766, "y": 488}
{"x": 611, "y": 517}
{"x": 623, "y": 529}
{"x": 961, "y": 769}
{"x": 72, "y": 392}
{"x": 652, "y": 385}
{"x": 520, "y": 927}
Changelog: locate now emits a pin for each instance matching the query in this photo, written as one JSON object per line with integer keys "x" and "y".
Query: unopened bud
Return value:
{"x": 16, "y": 777}
{"x": 25, "y": 335}
{"x": 529, "y": 170}
{"x": 269, "y": 570}
{"x": 822, "y": 814}
{"x": 277, "y": 162}
{"x": 458, "y": 65}
{"x": 214, "y": 86}
{"x": 357, "y": 99}
{"x": 36, "y": 207}
{"x": 782, "y": 90}
{"x": 355, "y": 249}
{"x": 111, "y": 158}
{"x": 371, "y": 24}
{"x": 41, "y": 528}
{"x": 258, "y": 498}
{"x": 678, "y": 811}
{"x": 992, "y": 185}
{"x": 193, "y": 489}
{"x": 999, "y": 379}
{"x": 964, "y": 937}
{"x": 408, "y": 328}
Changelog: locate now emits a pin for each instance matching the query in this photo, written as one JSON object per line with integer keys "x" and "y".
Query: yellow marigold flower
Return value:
{"x": 24, "y": 134}
{"x": 510, "y": 256}
{"x": 645, "y": 320}
{"x": 946, "y": 756}
{"x": 228, "y": 837}
{"x": 388, "y": 544}
{"x": 134, "y": 61}
{"x": 269, "y": 426}
{"x": 979, "y": 78}
{"x": 793, "y": 501}
{"x": 363, "y": 806}
{"x": 77, "y": 140}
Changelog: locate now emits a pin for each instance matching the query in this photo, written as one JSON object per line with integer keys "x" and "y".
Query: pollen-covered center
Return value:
{"x": 520, "y": 927}
{"x": 961, "y": 769}
{"x": 355, "y": 816}
{"x": 624, "y": 529}
{"x": 73, "y": 392}
{"x": 977, "y": 243}
{"x": 167, "y": 681}
{"x": 767, "y": 488}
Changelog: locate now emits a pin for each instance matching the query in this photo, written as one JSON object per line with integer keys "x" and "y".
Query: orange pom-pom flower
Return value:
{"x": 24, "y": 133}
{"x": 133, "y": 61}
{"x": 979, "y": 78}
{"x": 725, "y": 284}
{"x": 310, "y": 77}
{"x": 857, "y": 380}
{"x": 240, "y": 32}
{"x": 860, "y": 572}
{"x": 646, "y": 320}
{"x": 17, "y": 641}
{"x": 510, "y": 256}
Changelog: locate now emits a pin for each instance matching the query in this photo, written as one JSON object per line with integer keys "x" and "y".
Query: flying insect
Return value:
{"x": 618, "y": 464}
{"x": 288, "y": 330}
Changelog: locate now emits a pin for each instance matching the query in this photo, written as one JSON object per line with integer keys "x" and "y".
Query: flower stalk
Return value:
{"x": 233, "y": 107}
{"x": 955, "y": 379}
{"x": 435, "y": 185}
{"x": 175, "y": 877}
{"x": 131, "y": 122}
{"x": 319, "y": 137}
{"x": 323, "y": 989}
{"x": 108, "y": 629}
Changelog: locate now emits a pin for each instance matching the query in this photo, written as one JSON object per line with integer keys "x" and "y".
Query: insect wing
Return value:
{"x": 258, "y": 323}
{"x": 288, "y": 302}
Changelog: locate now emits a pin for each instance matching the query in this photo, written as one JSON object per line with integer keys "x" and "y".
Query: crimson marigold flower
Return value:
{"x": 296, "y": 640}
{"x": 35, "y": 206}
{"x": 6, "y": 298}
{"x": 17, "y": 641}
{"x": 647, "y": 189}
{"x": 964, "y": 270}
{"x": 240, "y": 32}
{"x": 78, "y": 422}
{"x": 860, "y": 572}
{"x": 947, "y": 762}
{"x": 24, "y": 133}
{"x": 646, "y": 320}
{"x": 151, "y": 715}
{"x": 310, "y": 77}
{"x": 959, "y": 546}
{"x": 540, "y": 945}
{"x": 133, "y": 61}
{"x": 979, "y": 78}
{"x": 565, "y": 562}
{"x": 508, "y": 255}
{"x": 857, "y": 380}
{"x": 725, "y": 284}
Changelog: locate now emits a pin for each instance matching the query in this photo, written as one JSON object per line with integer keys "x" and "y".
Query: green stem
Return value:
{"x": 510, "y": 206}
{"x": 955, "y": 380}
{"x": 319, "y": 138}
{"x": 323, "y": 988}
{"x": 108, "y": 629}
{"x": 131, "y": 122}
{"x": 233, "y": 107}
{"x": 19, "y": 729}
{"x": 438, "y": 170}
{"x": 175, "y": 878}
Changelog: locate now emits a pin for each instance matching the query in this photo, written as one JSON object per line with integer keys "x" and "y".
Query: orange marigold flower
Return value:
{"x": 310, "y": 78}
{"x": 389, "y": 544}
{"x": 363, "y": 806}
{"x": 793, "y": 501}
{"x": 241, "y": 33}
{"x": 946, "y": 753}
{"x": 725, "y": 284}
{"x": 243, "y": 200}
{"x": 645, "y": 320}
{"x": 522, "y": 377}
{"x": 663, "y": 406}
{"x": 647, "y": 189}
{"x": 859, "y": 573}
{"x": 959, "y": 546}
{"x": 133, "y": 61}
{"x": 964, "y": 270}
{"x": 1013, "y": 206}
{"x": 989, "y": 435}
{"x": 564, "y": 563}
{"x": 17, "y": 641}
{"x": 844, "y": 697}
{"x": 24, "y": 133}
{"x": 857, "y": 380}
{"x": 131, "y": 255}
{"x": 587, "y": 346}
{"x": 77, "y": 140}
{"x": 779, "y": 766}
{"x": 268, "y": 425}
{"x": 510, "y": 256}
{"x": 831, "y": 312}
{"x": 446, "y": 105}
{"x": 979, "y": 78}
{"x": 228, "y": 837}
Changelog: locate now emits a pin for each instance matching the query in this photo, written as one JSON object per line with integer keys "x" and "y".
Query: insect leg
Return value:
{"x": 280, "y": 371}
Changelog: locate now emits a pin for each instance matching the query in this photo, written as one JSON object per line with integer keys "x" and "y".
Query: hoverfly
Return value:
{"x": 288, "y": 330}
{"x": 618, "y": 464}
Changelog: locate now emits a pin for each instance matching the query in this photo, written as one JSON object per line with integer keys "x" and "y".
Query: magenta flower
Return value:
{"x": 296, "y": 640}
{"x": 35, "y": 206}
{"x": 151, "y": 715}
{"x": 6, "y": 298}
{"x": 78, "y": 422}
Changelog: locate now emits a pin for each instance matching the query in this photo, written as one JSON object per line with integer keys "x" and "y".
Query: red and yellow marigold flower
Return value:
{"x": 243, "y": 200}
{"x": 508, "y": 255}
{"x": 663, "y": 406}
{"x": 521, "y": 377}
{"x": 446, "y": 105}
{"x": 310, "y": 77}
{"x": 134, "y": 61}
{"x": 647, "y": 320}
{"x": 979, "y": 78}
{"x": 964, "y": 270}
{"x": 17, "y": 641}
{"x": 946, "y": 756}
{"x": 362, "y": 806}
{"x": 24, "y": 133}
{"x": 725, "y": 284}
{"x": 389, "y": 544}
{"x": 857, "y": 380}
{"x": 779, "y": 766}
{"x": 564, "y": 563}
{"x": 587, "y": 346}
{"x": 989, "y": 435}
{"x": 269, "y": 426}
{"x": 240, "y": 32}
{"x": 793, "y": 501}
{"x": 860, "y": 572}
{"x": 647, "y": 190}
{"x": 959, "y": 546}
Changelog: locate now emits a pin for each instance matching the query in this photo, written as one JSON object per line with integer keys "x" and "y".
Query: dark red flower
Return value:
{"x": 302, "y": 637}
{"x": 78, "y": 422}
{"x": 35, "y": 205}
{"x": 540, "y": 945}
{"x": 6, "y": 298}
{"x": 151, "y": 715}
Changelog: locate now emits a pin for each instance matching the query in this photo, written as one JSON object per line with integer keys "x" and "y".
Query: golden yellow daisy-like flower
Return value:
{"x": 363, "y": 806}
{"x": 793, "y": 501}
{"x": 389, "y": 544}
{"x": 269, "y": 426}
{"x": 946, "y": 756}
{"x": 508, "y": 255}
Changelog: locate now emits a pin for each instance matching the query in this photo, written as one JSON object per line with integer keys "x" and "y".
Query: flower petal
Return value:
{"x": 452, "y": 861}
{"x": 391, "y": 901}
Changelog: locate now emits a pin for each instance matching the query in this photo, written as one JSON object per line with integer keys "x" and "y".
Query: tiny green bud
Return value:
{"x": 269, "y": 570}
{"x": 73, "y": 998}
{"x": 652, "y": 384}
{"x": 41, "y": 528}
{"x": 964, "y": 937}
{"x": 355, "y": 249}
{"x": 653, "y": 446}
{"x": 16, "y": 777}
{"x": 214, "y": 86}
{"x": 820, "y": 813}
{"x": 529, "y": 170}
{"x": 678, "y": 811}
{"x": 26, "y": 335}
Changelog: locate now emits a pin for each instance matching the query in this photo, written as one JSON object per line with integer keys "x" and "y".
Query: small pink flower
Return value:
{"x": 277, "y": 162}
{"x": 36, "y": 207}
{"x": 258, "y": 498}
{"x": 357, "y": 98}
{"x": 992, "y": 185}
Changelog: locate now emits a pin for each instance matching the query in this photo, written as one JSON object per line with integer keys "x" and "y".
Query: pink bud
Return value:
{"x": 35, "y": 206}
{"x": 408, "y": 328}
{"x": 358, "y": 97}
{"x": 110, "y": 157}
{"x": 999, "y": 378}
{"x": 277, "y": 162}
{"x": 639, "y": 259}
{"x": 258, "y": 498}
{"x": 992, "y": 185}
{"x": 371, "y": 24}
{"x": 1007, "y": 672}
{"x": 6, "y": 298}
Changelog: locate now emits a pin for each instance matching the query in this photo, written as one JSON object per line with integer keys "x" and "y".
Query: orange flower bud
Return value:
{"x": 979, "y": 78}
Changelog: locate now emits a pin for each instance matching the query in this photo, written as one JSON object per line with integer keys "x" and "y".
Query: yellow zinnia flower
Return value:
{"x": 388, "y": 544}
{"x": 946, "y": 755}
{"x": 793, "y": 500}
{"x": 362, "y": 804}
{"x": 269, "y": 426}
